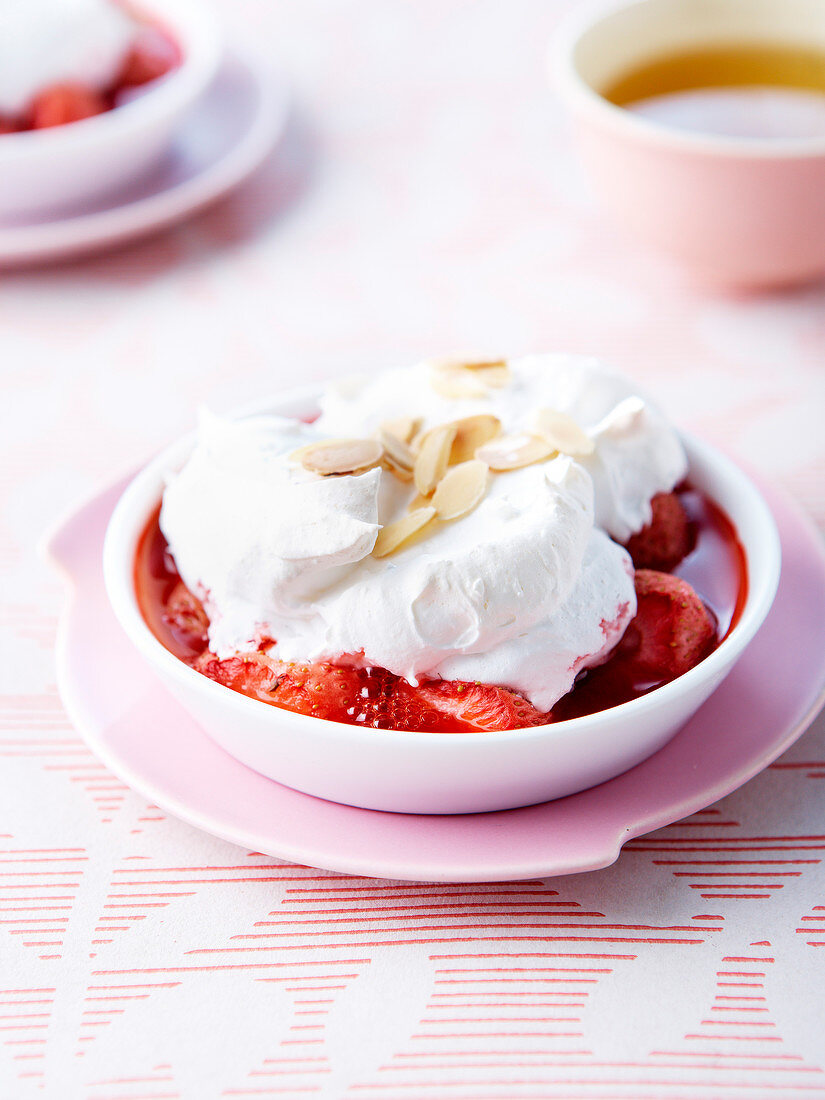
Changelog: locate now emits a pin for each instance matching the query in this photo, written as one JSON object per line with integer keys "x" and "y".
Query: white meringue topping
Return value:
{"x": 524, "y": 591}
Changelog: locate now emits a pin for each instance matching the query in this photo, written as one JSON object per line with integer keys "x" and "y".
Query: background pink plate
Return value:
{"x": 147, "y": 740}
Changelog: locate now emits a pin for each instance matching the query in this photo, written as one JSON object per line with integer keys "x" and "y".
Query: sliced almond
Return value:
{"x": 403, "y": 427}
{"x": 396, "y": 451}
{"x": 471, "y": 432}
{"x": 340, "y": 456}
{"x": 396, "y": 471}
{"x": 298, "y": 454}
{"x": 494, "y": 375}
{"x": 471, "y": 363}
{"x": 457, "y": 383}
{"x": 432, "y": 459}
{"x": 418, "y": 502}
{"x": 461, "y": 489}
{"x": 485, "y": 364}
{"x": 418, "y": 439}
{"x": 468, "y": 377}
{"x": 509, "y": 452}
{"x": 563, "y": 433}
{"x": 395, "y": 534}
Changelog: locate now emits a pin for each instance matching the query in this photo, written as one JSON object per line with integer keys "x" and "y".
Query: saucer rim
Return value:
{"x": 605, "y": 840}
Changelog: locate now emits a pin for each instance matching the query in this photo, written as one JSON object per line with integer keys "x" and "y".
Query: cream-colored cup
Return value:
{"x": 739, "y": 211}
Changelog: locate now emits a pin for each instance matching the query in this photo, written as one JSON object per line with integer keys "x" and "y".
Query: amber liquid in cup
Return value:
{"x": 767, "y": 91}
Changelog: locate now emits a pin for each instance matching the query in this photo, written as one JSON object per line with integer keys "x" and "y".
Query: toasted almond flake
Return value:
{"x": 509, "y": 452}
{"x": 494, "y": 375}
{"x": 485, "y": 364}
{"x": 461, "y": 489}
{"x": 467, "y": 362}
{"x": 471, "y": 432}
{"x": 298, "y": 454}
{"x": 418, "y": 502}
{"x": 395, "y": 534}
{"x": 418, "y": 438}
{"x": 340, "y": 456}
{"x": 396, "y": 471}
{"x": 456, "y": 383}
{"x": 396, "y": 451}
{"x": 432, "y": 459}
{"x": 468, "y": 376}
{"x": 403, "y": 427}
{"x": 562, "y": 432}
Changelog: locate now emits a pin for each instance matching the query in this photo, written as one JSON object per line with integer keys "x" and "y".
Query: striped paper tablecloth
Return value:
{"x": 424, "y": 199}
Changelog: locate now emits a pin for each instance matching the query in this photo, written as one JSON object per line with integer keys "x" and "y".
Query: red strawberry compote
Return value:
{"x": 62, "y": 61}
{"x": 458, "y": 567}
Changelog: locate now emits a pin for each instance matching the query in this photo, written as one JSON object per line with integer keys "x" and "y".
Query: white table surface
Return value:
{"x": 425, "y": 199}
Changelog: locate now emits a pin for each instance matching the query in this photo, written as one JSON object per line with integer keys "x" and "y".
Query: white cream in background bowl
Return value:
{"x": 63, "y": 166}
{"x": 438, "y": 773}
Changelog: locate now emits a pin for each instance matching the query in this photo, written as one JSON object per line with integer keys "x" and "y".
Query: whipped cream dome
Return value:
{"x": 45, "y": 42}
{"x": 523, "y": 592}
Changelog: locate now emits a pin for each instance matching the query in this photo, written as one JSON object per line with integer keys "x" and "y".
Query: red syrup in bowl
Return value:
{"x": 671, "y": 632}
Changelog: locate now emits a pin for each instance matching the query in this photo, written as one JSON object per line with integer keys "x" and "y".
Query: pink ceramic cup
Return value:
{"x": 738, "y": 211}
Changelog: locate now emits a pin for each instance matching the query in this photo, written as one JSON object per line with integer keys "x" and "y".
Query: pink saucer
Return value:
{"x": 147, "y": 740}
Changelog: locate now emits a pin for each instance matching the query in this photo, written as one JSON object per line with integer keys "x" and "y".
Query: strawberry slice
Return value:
{"x": 377, "y": 698}
{"x": 480, "y": 706}
{"x": 183, "y": 613}
{"x": 63, "y": 103}
{"x": 668, "y": 537}
{"x": 672, "y": 630}
{"x": 151, "y": 56}
{"x": 252, "y": 673}
{"x": 371, "y": 697}
{"x": 328, "y": 691}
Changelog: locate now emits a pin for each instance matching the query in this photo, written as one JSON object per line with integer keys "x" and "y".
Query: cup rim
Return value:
{"x": 197, "y": 30}
{"x": 578, "y": 93}
{"x": 143, "y": 493}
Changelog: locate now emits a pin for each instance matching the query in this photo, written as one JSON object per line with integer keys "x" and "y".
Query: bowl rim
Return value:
{"x": 577, "y": 92}
{"x": 142, "y": 495}
{"x": 197, "y": 31}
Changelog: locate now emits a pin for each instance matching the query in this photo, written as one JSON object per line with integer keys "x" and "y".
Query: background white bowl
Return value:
{"x": 435, "y": 772}
{"x": 63, "y": 165}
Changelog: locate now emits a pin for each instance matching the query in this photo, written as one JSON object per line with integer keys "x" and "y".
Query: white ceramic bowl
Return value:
{"x": 63, "y": 165}
{"x": 436, "y": 772}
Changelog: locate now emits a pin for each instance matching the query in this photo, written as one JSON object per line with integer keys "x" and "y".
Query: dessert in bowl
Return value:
{"x": 91, "y": 93}
{"x": 413, "y": 593}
